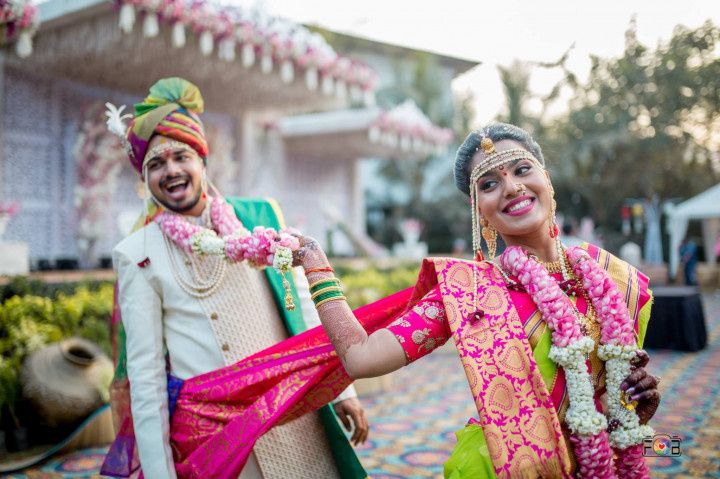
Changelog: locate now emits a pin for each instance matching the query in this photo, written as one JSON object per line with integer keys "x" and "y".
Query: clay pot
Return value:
{"x": 65, "y": 381}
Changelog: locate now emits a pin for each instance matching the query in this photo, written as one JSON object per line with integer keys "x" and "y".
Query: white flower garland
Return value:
{"x": 581, "y": 417}
{"x": 617, "y": 365}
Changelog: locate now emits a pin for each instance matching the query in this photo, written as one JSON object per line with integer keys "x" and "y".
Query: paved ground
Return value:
{"x": 412, "y": 430}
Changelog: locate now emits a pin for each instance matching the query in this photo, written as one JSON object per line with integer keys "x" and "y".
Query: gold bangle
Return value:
{"x": 325, "y": 290}
{"x": 334, "y": 298}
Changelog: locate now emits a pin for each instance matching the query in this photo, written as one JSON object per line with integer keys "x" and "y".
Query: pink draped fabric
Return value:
{"x": 220, "y": 415}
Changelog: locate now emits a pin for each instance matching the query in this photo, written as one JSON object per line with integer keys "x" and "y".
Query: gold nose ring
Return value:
{"x": 520, "y": 188}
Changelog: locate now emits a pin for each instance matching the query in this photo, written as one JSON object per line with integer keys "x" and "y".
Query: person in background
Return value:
{"x": 631, "y": 253}
{"x": 689, "y": 260}
{"x": 569, "y": 234}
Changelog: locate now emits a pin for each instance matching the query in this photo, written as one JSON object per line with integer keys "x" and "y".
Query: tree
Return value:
{"x": 427, "y": 183}
{"x": 644, "y": 123}
{"x": 516, "y": 86}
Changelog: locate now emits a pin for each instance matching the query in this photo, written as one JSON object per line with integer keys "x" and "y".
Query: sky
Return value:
{"x": 496, "y": 33}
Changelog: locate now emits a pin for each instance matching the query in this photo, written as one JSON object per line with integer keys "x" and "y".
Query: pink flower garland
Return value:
{"x": 594, "y": 456}
{"x": 592, "y": 449}
{"x": 591, "y": 443}
{"x": 617, "y": 328}
{"x": 234, "y": 242}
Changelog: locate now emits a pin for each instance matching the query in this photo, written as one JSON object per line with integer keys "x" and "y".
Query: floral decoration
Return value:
{"x": 9, "y": 208}
{"x": 99, "y": 156}
{"x": 18, "y": 23}
{"x": 278, "y": 43}
{"x": 408, "y": 128}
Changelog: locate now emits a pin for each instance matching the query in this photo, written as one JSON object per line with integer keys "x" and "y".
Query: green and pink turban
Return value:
{"x": 171, "y": 109}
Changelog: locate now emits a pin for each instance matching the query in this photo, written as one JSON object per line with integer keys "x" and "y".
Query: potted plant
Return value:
{"x": 14, "y": 436}
{"x": 25, "y": 326}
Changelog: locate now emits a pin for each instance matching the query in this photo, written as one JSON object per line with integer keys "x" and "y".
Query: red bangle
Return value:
{"x": 320, "y": 270}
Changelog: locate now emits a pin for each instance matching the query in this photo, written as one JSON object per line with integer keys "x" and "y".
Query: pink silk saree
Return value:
{"x": 219, "y": 416}
{"x": 503, "y": 345}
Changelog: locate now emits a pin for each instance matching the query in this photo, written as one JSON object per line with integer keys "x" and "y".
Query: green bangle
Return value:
{"x": 324, "y": 284}
{"x": 329, "y": 294}
{"x": 325, "y": 290}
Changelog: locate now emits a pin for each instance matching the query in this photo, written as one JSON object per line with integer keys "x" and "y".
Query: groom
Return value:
{"x": 185, "y": 315}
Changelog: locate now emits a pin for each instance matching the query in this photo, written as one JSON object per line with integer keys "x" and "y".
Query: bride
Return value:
{"x": 549, "y": 337}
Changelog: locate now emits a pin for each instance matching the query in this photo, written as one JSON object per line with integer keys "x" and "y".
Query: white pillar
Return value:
{"x": 249, "y": 156}
{"x": 358, "y": 200}
{"x": 710, "y": 229}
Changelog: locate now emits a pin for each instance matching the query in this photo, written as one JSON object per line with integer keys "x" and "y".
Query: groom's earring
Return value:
{"x": 204, "y": 184}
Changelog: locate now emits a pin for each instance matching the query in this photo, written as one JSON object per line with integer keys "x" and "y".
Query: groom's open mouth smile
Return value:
{"x": 176, "y": 188}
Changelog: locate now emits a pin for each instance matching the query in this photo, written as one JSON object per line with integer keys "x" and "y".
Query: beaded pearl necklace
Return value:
{"x": 196, "y": 286}
{"x": 228, "y": 241}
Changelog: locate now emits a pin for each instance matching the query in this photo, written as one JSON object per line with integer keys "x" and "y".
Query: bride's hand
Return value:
{"x": 642, "y": 387}
{"x": 309, "y": 254}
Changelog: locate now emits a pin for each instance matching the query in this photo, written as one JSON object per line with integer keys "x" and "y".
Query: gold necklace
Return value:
{"x": 552, "y": 266}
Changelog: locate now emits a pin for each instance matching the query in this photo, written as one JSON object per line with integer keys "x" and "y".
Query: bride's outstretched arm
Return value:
{"x": 361, "y": 354}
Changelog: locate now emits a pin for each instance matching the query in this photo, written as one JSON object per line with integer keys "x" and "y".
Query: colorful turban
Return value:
{"x": 170, "y": 110}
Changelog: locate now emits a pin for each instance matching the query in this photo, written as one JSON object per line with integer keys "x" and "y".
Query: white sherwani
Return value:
{"x": 202, "y": 335}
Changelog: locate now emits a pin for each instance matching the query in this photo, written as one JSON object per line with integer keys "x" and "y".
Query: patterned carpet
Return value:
{"x": 81, "y": 464}
{"x": 412, "y": 427}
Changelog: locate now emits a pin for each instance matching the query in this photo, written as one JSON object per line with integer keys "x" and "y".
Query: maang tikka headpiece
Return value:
{"x": 493, "y": 159}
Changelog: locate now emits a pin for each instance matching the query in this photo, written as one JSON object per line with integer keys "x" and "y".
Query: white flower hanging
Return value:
{"x": 369, "y": 98}
{"x": 206, "y": 43}
{"x": 266, "y": 63}
{"x": 24, "y": 46}
{"x": 311, "y": 78}
{"x": 151, "y": 25}
{"x": 341, "y": 89}
{"x": 127, "y": 17}
{"x": 328, "y": 84}
{"x": 248, "y": 55}
{"x": 178, "y": 35}
{"x": 226, "y": 49}
{"x": 287, "y": 71}
{"x": 356, "y": 93}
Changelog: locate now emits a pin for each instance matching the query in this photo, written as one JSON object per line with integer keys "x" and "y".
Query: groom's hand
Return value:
{"x": 352, "y": 409}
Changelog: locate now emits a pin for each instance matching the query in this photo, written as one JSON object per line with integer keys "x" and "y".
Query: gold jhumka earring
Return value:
{"x": 489, "y": 234}
{"x": 480, "y": 227}
{"x": 552, "y": 225}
